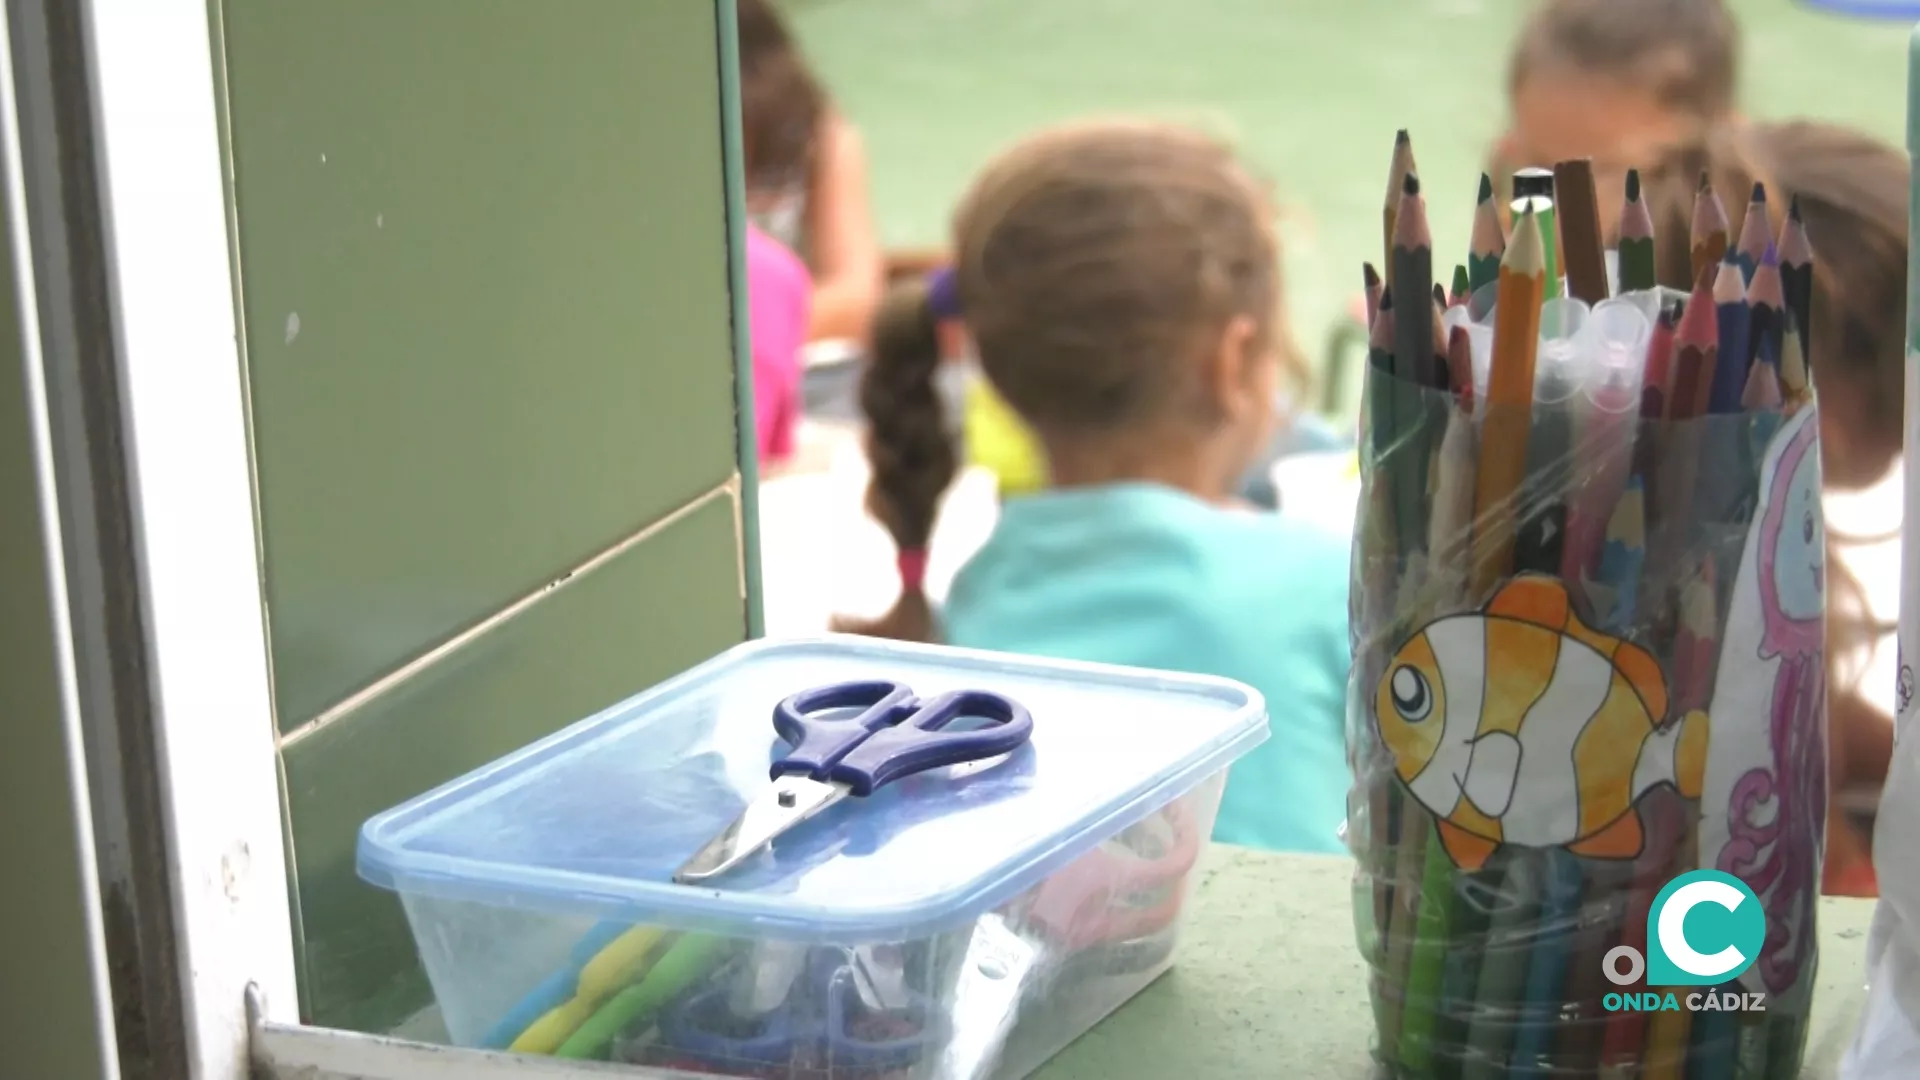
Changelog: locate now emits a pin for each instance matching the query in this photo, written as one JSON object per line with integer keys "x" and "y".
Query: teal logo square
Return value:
{"x": 1705, "y": 928}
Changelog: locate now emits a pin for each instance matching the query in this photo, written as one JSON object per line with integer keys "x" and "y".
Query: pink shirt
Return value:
{"x": 779, "y": 292}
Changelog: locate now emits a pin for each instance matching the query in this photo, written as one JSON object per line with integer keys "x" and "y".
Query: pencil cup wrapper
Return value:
{"x": 1588, "y": 689}
{"x": 958, "y": 923}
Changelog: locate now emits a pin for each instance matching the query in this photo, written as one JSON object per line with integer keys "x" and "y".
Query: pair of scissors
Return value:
{"x": 791, "y": 1007}
{"x": 894, "y": 735}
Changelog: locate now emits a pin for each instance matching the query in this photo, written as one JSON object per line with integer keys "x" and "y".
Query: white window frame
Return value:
{"x": 178, "y": 339}
{"x": 171, "y": 283}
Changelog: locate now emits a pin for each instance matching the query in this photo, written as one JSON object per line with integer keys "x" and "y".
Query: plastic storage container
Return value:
{"x": 966, "y": 922}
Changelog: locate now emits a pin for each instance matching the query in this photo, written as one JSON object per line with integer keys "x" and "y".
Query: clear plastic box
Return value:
{"x": 967, "y": 922}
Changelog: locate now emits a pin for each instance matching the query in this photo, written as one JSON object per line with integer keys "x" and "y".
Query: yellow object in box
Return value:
{"x": 998, "y": 441}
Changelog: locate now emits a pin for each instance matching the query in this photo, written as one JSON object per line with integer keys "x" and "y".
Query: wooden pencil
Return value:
{"x": 1370, "y": 280}
{"x": 1796, "y": 265}
{"x": 1583, "y": 248}
{"x": 1462, "y": 286}
{"x": 1734, "y": 317}
{"x": 1756, "y": 233}
{"x": 1509, "y": 407}
{"x": 1696, "y": 348}
{"x": 1533, "y": 190}
{"x": 1489, "y": 240}
{"x": 1664, "y": 816}
{"x": 1796, "y": 383}
{"x": 1613, "y": 595}
{"x": 1766, "y": 300}
{"x": 1695, "y": 649}
{"x": 1460, "y": 367}
{"x": 1397, "y": 171}
{"x": 1709, "y": 228}
{"x": 1637, "y": 262}
{"x": 1411, "y": 273}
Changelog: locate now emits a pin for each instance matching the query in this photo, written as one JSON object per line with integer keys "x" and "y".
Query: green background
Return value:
{"x": 1311, "y": 89}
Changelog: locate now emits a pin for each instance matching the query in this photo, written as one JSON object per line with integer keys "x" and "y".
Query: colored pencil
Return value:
{"x": 1796, "y": 265}
{"x": 1613, "y": 596}
{"x": 1636, "y": 239}
{"x": 1709, "y": 228}
{"x": 1796, "y": 382}
{"x": 1460, "y": 367}
{"x": 1397, "y": 171}
{"x": 1695, "y": 650}
{"x": 1462, "y": 286}
{"x": 1489, "y": 240}
{"x": 1412, "y": 275}
{"x": 1734, "y": 317}
{"x": 1451, "y": 525}
{"x": 1381, "y": 421}
{"x": 1533, "y": 190}
{"x": 1583, "y": 249}
{"x": 1509, "y": 409}
{"x": 1664, "y": 817}
{"x": 1756, "y": 232}
{"x": 1370, "y": 280}
{"x": 1768, "y": 304}
{"x": 1433, "y": 935}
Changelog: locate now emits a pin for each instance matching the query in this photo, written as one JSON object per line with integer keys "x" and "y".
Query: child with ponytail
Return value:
{"x": 1120, "y": 282}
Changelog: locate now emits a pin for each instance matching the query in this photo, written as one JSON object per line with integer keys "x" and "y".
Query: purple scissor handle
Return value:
{"x": 894, "y": 734}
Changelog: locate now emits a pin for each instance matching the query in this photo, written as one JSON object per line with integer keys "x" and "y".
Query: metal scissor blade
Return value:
{"x": 999, "y": 965}
{"x": 791, "y": 800}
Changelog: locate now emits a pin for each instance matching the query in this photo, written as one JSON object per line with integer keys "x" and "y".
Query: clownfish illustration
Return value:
{"x": 1521, "y": 725}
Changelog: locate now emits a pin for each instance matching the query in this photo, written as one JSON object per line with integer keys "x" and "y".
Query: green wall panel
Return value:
{"x": 46, "y": 978}
{"x": 665, "y": 604}
{"x": 483, "y": 267}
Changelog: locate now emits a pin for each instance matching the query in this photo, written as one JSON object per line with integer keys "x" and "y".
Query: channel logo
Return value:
{"x": 1705, "y": 928}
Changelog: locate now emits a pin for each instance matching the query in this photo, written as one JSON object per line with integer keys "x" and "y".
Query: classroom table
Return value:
{"x": 1268, "y": 982}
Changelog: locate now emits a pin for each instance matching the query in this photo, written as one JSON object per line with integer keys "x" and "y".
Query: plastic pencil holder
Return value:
{"x": 1588, "y": 664}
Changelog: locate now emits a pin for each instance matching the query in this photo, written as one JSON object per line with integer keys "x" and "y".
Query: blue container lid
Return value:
{"x": 594, "y": 820}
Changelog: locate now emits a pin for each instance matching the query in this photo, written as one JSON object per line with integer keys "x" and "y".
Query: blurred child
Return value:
{"x": 1618, "y": 81}
{"x": 778, "y": 300}
{"x": 1120, "y": 282}
{"x": 1853, "y": 193}
{"x": 806, "y": 175}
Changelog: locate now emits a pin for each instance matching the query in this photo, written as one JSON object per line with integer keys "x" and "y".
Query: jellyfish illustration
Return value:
{"x": 1776, "y": 814}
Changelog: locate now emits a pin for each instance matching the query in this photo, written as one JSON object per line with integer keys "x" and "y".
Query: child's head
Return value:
{"x": 1120, "y": 282}
{"x": 780, "y": 103}
{"x": 1618, "y": 81}
{"x": 1853, "y": 194}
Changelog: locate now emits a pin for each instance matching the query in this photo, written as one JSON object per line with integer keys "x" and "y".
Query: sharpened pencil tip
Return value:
{"x": 1793, "y": 206}
{"x": 1386, "y": 298}
{"x": 1402, "y": 138}
{"x": 1759, "y": 193}
{"x": 1771, "y": 257}
{"x": 1706, "y": 182}
{"x": 1411, "y": 186}
{"x": 1486, "y": 189}
{"x": 1633, "y": 185}
{"x": 1371, "y": 275}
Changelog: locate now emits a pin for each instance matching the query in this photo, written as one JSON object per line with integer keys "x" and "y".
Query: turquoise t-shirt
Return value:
{"x": 1148, "y": 576}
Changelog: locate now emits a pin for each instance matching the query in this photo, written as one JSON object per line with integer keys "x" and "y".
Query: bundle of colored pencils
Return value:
{"x": 1565, "y": 468}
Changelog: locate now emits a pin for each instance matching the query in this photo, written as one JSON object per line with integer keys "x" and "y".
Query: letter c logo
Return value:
{"x": 1673, "y": 933}
{"x": 1706, "y": 927}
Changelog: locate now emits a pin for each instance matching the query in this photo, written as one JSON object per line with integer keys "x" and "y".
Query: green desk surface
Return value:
{"x": 1268, "y": 983}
